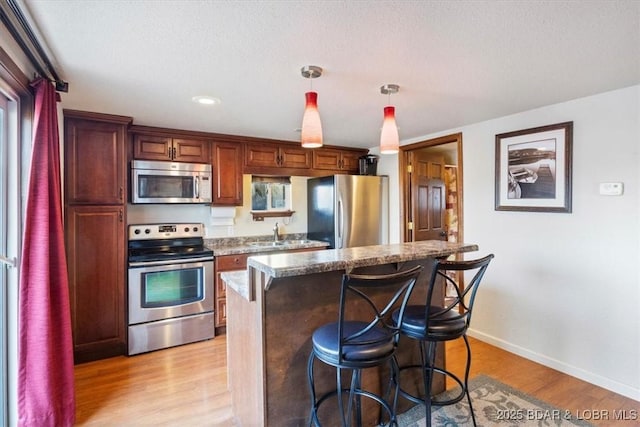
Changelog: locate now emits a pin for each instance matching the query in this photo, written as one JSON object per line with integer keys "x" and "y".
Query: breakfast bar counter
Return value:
{"x": 275, "y": 305}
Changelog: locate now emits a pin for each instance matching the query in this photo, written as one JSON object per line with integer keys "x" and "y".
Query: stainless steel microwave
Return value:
{"x": 170, "y": 182}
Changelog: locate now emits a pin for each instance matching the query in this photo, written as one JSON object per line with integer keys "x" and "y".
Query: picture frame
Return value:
{"x": 533, "y": 169}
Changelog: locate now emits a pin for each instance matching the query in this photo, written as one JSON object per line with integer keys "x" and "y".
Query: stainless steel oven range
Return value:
{"x": 170, "y": 286}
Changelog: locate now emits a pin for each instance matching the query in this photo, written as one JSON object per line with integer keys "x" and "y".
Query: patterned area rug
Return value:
{"x": 494, "y": 404}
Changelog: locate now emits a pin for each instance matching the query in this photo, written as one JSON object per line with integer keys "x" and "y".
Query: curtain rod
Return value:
{"x": 30, "y": 46}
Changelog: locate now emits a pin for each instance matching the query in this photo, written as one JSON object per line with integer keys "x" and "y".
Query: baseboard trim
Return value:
{"x": 587, "y": 376}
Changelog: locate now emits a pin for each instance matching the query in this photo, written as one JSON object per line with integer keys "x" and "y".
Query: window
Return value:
{"x": 3, "y": 253}
{"x": 270, "y": 193}
{"x": 9, "y": 236}
{"x": 16, "y": 110}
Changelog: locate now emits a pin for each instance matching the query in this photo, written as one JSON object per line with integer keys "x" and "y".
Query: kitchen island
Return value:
{"x": 274, "y": 307}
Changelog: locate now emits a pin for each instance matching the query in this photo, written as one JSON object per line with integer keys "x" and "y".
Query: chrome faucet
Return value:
{"x": 276, "y": 237}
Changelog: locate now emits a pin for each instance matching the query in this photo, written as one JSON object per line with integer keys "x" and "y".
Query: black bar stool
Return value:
{"x": 431, "y": 323}
{"x": 356, "y": 342}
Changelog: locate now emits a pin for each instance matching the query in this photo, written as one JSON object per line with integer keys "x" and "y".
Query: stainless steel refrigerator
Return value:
{"x": 348, "y": 210}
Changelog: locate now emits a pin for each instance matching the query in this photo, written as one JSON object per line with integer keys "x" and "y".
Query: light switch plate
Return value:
{"x": 611, "y": 188}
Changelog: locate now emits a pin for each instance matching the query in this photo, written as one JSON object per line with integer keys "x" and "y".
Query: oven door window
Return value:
{"x": 172, "y": 287}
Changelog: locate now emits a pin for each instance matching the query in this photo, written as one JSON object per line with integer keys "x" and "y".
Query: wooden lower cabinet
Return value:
{"x": 95, "y": 241}
{"x": 232, "y": 263}
{"x": 225, "y": 263}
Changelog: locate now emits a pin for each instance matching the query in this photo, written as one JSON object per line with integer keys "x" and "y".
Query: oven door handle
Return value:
{"x": 169, "y": 261}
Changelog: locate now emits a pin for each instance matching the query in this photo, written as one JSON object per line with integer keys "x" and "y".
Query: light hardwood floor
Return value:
{"x": 187, "y": 386}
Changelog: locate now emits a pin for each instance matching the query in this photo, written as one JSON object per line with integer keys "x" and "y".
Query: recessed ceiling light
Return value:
{"x": 206, "y": 100}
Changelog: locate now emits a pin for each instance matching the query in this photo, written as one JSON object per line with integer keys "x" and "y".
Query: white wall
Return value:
{"x": 564, "y": 289}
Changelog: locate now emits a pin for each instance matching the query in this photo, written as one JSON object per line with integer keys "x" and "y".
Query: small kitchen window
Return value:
{"x": 271, "y": 193}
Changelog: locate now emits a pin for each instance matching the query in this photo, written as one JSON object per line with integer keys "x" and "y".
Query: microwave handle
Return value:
{"x": 197, "y": 187}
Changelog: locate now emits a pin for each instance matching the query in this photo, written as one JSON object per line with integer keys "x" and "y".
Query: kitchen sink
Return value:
{"x": 296, "y": 242}
{"x": 280, "y": 243}
{"x": 266, "y": 244}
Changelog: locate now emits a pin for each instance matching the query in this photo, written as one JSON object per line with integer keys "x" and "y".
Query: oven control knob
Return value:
{"x": 186, "y": 229}
{"x": 195, "y": 229}
{"x": 136, "y": 231}
{"x": 147, "y": 231}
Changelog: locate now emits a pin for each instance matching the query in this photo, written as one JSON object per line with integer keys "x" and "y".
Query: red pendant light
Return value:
{"x": 311, "y": 133}
{"x": 389, "y": 138}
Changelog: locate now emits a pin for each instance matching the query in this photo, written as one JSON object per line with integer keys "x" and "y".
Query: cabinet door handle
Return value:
{"x": 121, "y": 193}
{"x": 121, "y": 215}
{"x": 173, "y": 153}
{"x": 169, "y": 152}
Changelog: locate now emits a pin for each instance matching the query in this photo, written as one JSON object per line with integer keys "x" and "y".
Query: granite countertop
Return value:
{"x": 301, "y": 263}
{"x": 261, "y": 244}
{"x": 238, "y": 281}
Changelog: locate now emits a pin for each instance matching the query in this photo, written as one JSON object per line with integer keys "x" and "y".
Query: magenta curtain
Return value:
{"x": 46, "y": 394}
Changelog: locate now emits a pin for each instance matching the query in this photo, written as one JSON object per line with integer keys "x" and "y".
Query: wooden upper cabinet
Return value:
{"x": 154, "y": 147}
{"x": 333, "y": 159}
{"x": 265, "y": 155}
{"x": 190, "y": 150}
{"x": 227, "y": 173}
{"x": 88, "y": 138}
{"x": 261, "y": 155}
{"x": 295, "y": 157}
{"x": 351, "y": 160}
{"x": 148, "y": 147}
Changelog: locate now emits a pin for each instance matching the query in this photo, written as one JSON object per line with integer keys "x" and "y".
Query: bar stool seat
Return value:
{"x": 326, "y": 344}
{"x": 363, "y": 337}
{"x": 450, "y": 327}
{"x": 430, "y": 324}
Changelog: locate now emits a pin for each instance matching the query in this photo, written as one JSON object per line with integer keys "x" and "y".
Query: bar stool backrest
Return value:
{"x": 460, "y": 305}
{"x": 357, "y": 291}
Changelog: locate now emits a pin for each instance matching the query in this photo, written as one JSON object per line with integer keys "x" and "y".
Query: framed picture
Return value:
{"x": 533, "y": 169}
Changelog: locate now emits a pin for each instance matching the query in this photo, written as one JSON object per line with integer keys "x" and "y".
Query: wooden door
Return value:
{"x": 428, "y": 198}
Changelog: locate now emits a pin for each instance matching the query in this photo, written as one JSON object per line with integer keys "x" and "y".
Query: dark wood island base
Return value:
{"x": 273, "y": 309}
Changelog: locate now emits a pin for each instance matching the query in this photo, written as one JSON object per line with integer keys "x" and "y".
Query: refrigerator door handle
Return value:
{"x": 340, "y": 224}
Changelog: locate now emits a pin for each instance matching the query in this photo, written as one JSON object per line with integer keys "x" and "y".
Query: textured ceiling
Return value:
{"x": 457, "y": 62}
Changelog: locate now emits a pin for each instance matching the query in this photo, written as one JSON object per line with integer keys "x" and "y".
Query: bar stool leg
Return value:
{"x": 312, "y": 389}
{"x": 428, "y": 349}
{"x": 466, "y": 379}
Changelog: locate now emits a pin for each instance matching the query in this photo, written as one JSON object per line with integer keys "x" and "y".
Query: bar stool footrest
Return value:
{"x": 434, "y": 402}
